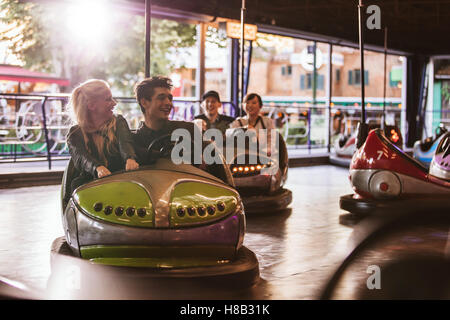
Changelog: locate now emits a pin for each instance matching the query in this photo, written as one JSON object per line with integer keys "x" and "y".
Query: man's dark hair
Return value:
{"x": 146, "y": 88}
{"x": 250, "y": 96}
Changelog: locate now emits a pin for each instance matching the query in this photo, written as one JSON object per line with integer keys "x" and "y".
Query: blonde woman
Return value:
{"x": 101, "y": 142}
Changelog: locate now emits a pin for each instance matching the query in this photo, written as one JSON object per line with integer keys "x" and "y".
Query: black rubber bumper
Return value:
{"x": 267, "y": 203}
{"x": 363, "y": 206}
{"x": 340, "y": 161}
{"x": 110, "y": 282}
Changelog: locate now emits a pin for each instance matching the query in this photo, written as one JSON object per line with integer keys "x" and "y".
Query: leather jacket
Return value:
{"x": 144, "y": 136}
{"x": 87, "y": 162}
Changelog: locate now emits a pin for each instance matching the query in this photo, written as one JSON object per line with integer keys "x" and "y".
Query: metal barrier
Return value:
{"x": 33, "y": 126}
{"x": 40, "y": 122}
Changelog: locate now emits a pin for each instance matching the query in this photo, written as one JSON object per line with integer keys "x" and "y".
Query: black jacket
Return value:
{"x": 144, "y": 136}
{"x": 87, "y": 162}
{"x": 222, "y": 122}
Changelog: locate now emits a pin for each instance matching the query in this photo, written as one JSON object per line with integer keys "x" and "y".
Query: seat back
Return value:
{"x": 66, "y": 188}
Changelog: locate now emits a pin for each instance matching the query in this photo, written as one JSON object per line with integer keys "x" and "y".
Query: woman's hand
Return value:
{"x": 102, "y": 171}
{"x": 131, "y": 165}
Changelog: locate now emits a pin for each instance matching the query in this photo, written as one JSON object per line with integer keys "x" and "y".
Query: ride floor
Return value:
{"x": 297, "y": 249}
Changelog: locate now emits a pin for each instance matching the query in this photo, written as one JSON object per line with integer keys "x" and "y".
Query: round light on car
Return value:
{"x": 108, "y": 210}
{"x": 201, "y": 211}
{"x": 142, "y": 212}
{"x": 246, "y": 169}
{"x": 252, "y": 168}
{"x": 191, "y": 211}
{"x": 119, "y": 211}
{"x": 241, "y": 169}
{"x": 181, "y": 212}
{"x": 220, "y": 206}
{"x": 98, "y": 206}
{"x": 130, "y": 211}
{"x": 211, "y": 210}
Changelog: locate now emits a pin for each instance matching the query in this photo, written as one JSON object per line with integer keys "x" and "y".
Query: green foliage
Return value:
{"x": 39, "y": 37}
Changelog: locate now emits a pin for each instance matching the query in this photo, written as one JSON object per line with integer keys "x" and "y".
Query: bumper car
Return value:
{"x": 345, "y": 145}
{"x": 165, "y": 220}
{"x": 385, "y": 179}
{"x": 344, "y": 148}
{"x": 424, "y": 150}
{"x": 259, "y": 176}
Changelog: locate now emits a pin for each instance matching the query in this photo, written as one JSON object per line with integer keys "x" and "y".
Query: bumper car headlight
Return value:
{"x": 125, "y": 203}
{"x": 248, "y": 170}
{"x": 195, "y": 203}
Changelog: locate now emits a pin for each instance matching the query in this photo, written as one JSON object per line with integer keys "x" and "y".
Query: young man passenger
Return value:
{"x": 155, "y": 99}
{"x": 211, "y": 105}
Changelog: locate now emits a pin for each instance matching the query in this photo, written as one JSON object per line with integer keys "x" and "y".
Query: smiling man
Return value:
{"x": 211, "y": 105}
{"x": 155, "y": 99}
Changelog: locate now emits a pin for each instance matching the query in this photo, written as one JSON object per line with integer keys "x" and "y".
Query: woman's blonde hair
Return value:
{"x": 82, "y": 95}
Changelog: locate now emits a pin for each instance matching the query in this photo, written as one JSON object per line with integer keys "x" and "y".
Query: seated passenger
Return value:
{"x": 211, "y": 117}
{"x": 155, "y": 99}
{"x": 254, "y": 120}
{"x": 101, "y": 142}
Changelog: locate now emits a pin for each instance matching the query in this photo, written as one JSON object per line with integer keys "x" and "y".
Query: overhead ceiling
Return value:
{"x": 414, "y": 26}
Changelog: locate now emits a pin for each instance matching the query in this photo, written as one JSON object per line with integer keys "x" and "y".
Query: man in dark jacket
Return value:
{"x": 155, "y": 99}
{"x": 211, "y": 104}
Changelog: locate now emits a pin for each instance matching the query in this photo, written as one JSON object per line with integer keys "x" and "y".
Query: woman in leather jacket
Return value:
{"x": 101, "y": 142}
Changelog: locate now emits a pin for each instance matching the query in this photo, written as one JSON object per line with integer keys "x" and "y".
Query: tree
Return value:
{"x": 42, "y": 37}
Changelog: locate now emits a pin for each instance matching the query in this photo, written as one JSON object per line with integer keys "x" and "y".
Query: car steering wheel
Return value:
{"x": 160, "y": 148}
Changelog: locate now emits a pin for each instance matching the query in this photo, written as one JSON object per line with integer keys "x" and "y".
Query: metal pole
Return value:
{"x": 247, "y": 69}
{"x": 362, "y": 127}
{"x": 361, "y": 54}
{"x": 200, "y": 74}
{"x": 383, "y": 119}
{"x": 148, "y": 12}
{"x": 330, "y": 91}
{"x": 47, "y": 141}
{"x": 242, "y": 54}
{"x": 314, "y": 84}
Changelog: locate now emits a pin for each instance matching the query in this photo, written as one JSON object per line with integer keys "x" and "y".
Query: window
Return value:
{"x": 320, "y": 81}
{"x": 286, "y": 70}
{"x": 306, "y": 81}
{"x": 354, "y": 77}
{"x": 357, "y": 74}
{"x": 338, "y": 75}
{"x": 395, "y": 77}
{"x": 309, "y": 81}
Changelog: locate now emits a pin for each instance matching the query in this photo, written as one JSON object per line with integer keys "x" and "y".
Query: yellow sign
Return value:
{"x": 234, "y": 31}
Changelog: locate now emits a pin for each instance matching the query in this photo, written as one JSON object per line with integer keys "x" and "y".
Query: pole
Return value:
{"x": 362, "y": 127}
{"x": 148, "y": 12}
{"x": 314, "y": 75}
{"x": 330, "y": 91}
{"x": 47, "y": 140}
{"x": 383, "y": 119}
{"x": 242, "y": 55}
{"x": 200, "y": 74}
{"x": 247, "y": 69}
